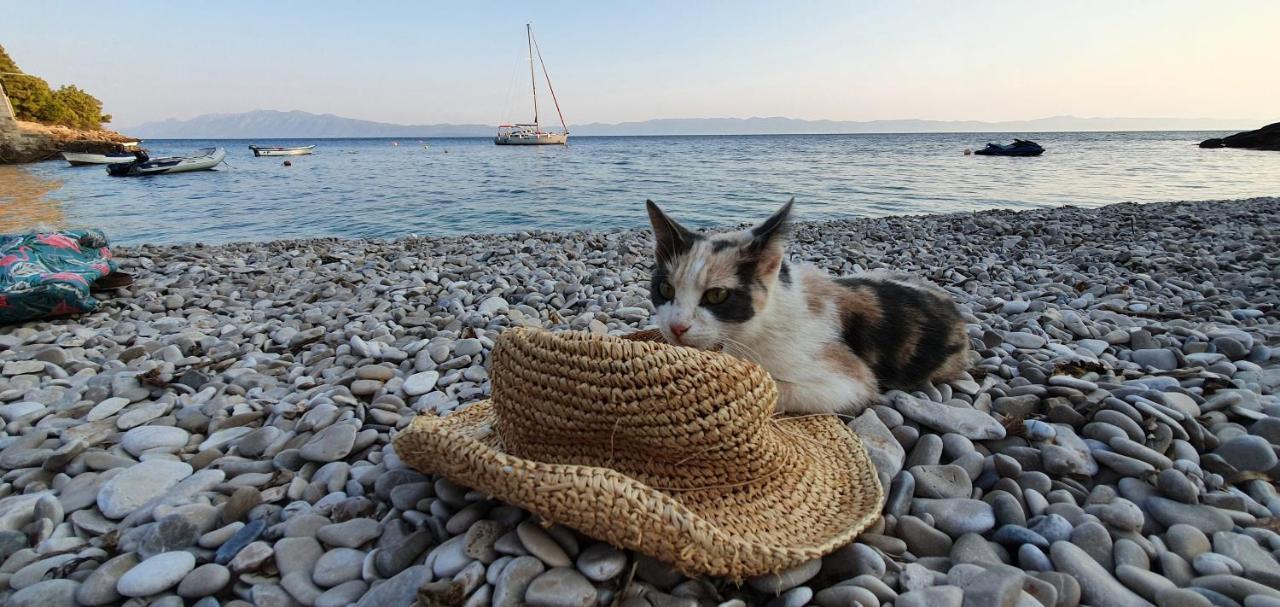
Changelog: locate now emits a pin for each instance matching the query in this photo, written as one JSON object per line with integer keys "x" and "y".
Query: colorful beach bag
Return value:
{"x": 45, "y": 274}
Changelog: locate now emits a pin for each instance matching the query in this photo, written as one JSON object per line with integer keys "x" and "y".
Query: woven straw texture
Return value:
{"x": 669, "y": 451}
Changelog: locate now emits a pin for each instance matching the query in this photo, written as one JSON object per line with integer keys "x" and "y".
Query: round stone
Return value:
{"x": 783, "y": 581}
{"x": 560, "y": 587}
{"x": 467, "y": 347}
{"x": 957, "y": 516}
{"x": 205, "y": 580}
{"x": 48, "y": 593}
{"x": 1204, "y": 518}
{"x": 509, "y": 591}
{"x": 1160, "y": 359}
{"x": 601, "y": 562}
{"x": 156, "y": 574}
{"x": 1176, "y": 485}
{"x": 163, "y": 438}
{"x": 420, "y": 383}
{"x": 138, "y": 484}
{"x": 106, "y": 408}
{"x": 493, "y": 306}
{"x": 375, "y": 372}
{"x": 941, "y": 481}
{"x": 450, "y": 557}
{"x": 1052, "y": 527}
{"x": 100, "y": 587}
{"x": 338, "y": 566}
{"x": 1251, "y": 453}
{"x": 350, "y": 534}
{"x": 331, "y": 444}
{"x": 540, "y": 544}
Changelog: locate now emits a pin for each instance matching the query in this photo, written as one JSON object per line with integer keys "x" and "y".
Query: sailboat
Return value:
{"x": 532, "y": 133}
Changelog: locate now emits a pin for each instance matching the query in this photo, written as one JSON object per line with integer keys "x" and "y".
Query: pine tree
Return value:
{"x": 34, "y": 100}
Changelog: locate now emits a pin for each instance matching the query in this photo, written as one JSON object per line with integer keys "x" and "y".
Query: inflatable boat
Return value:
{"x": 204, "y": 160}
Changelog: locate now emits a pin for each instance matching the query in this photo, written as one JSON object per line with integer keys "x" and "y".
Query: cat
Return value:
{"x": 830, "y": 343}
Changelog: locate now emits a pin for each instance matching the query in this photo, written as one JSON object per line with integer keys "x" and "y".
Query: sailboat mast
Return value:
{"x": 528, "y": 29}
{"x": 549, "y": 87}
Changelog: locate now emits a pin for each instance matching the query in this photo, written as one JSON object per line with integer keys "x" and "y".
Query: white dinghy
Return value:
{"x": 79, "y": 159}
{"x": 301, "y": 150}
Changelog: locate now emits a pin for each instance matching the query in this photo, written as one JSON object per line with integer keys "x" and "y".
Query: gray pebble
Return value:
{"x": 560, "y": 587}
{"x": 601, "y": 562}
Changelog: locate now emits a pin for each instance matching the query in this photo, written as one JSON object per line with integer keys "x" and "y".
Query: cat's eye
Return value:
{"x": 667, "y": 290}
{"x": 715, "y": 296}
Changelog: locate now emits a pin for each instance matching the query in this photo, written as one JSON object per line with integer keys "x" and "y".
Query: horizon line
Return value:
{"x": 603, "y": 136}
{"x": 598, "y": 123}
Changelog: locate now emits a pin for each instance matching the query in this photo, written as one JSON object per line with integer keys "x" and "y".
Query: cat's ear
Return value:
{"x": 670, "y": 237}
{"x": 774, "y": 229}
{"x": 768, "y": 242}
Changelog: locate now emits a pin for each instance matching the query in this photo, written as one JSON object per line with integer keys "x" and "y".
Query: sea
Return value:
{"x": 385, "y": 188}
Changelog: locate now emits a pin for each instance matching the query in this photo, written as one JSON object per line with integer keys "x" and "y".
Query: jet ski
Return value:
{"x": 1019, "y": 147}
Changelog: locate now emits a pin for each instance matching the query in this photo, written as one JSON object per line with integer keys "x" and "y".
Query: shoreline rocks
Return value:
{"x": 22, "y": 142}
{"x": 222, "y": 426}
{"x": 1265, "y": 138}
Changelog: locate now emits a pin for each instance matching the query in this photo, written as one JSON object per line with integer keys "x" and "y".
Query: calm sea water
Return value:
{"x": 372, "y": 188}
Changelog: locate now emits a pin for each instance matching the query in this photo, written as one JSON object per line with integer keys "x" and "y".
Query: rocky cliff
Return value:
{"x": 32, "y": 142}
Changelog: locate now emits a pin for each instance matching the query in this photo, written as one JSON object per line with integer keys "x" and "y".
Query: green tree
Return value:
{"x": 29, "y": 95}
{"x": 74, "y": 107}
{"x": 6, "y": 63}
{"x": 33, "y": 99}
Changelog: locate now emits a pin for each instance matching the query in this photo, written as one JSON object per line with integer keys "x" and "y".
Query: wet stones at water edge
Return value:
{"x": 223, "y": 430}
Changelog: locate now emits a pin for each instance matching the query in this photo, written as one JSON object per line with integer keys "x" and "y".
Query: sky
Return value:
{"x": 435, "y": 62}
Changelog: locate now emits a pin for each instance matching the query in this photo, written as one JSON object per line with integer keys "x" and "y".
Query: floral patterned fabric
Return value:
{"x": 45, "y": 274}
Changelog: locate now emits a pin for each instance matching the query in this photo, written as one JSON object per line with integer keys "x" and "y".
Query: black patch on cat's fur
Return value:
{"x": 655, "y": 294}
{"x": 738, "y": 307}
{"x": 931, "y": 350}
{"x": 720, "y": 245}
{"x": 903, "y": 310}
{"x": 747, "y": 271}
{"x": 784, "y": 274}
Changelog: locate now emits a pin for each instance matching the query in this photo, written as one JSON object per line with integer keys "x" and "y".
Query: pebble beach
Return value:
{"x": 218, "y": 433}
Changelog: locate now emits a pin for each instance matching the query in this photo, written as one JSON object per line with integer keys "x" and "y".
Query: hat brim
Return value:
{"x": 761, "y": 526}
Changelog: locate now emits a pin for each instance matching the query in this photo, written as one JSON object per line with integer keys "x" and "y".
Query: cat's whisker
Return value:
{"x": 742, "y": 350}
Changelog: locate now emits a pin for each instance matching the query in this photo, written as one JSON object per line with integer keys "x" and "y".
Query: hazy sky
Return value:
{"x": 417, "y": 62}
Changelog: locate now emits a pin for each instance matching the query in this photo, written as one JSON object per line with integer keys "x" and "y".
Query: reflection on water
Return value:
{"x": 370, "y": 188}
{"x": 23, "y": 201}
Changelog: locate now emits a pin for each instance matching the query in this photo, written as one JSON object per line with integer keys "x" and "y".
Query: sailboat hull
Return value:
{"x": 531, "y": 139}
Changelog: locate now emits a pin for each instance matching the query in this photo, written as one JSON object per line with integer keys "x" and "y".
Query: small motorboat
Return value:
{"x": 143, "y": 166}
{"x": 1019, "y": 147}
{"x": 301, "y": 150}
{"x": 79, "y": 159}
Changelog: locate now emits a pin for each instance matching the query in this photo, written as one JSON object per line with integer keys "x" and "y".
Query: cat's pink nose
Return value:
{"x": 679, "y": 330}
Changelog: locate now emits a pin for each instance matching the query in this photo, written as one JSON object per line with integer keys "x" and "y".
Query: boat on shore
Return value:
{"x": 301, "y": 150}
{"x": 79, "y": 159}
{"x": 1019, "y": 147}
{"x": 531, "y": 133}
{"x": 203, "y": 160}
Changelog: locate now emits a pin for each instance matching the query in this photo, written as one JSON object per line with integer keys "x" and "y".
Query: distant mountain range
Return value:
{"x": 272, "y": 124}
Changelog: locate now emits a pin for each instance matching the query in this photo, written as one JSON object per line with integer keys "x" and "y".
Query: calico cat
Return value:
{"x": 830, "y": 344}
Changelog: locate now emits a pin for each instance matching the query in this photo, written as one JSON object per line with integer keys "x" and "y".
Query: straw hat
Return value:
{"x": 669, "y": 451}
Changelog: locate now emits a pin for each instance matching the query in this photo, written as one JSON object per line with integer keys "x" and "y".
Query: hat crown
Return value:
{"x": 673, "y": 417}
